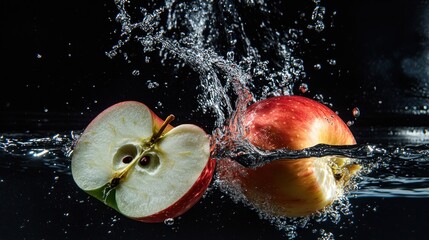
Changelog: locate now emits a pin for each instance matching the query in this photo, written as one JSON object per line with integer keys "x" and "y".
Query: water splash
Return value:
{"x": 212, "y": 39}
{"x": 391, "y": 171}
{"x": 30, "y": 151}
{"x": 236, "y": 66}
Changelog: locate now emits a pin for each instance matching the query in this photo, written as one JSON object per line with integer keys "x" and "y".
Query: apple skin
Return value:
{"x": 157, "y": 121}
{"x": 295, "y": 123}
{"x": 288, "y": 187}
{"x": 188, "y": 200}
{"x": 181, "y": 206}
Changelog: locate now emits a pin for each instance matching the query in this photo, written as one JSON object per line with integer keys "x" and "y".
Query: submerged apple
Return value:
{"x": 140, "y": 165}
{"x": 292, "y": 187}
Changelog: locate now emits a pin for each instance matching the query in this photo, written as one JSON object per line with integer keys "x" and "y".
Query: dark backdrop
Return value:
{"x": 55, "y": 76}
{"x": 55, "y": 73}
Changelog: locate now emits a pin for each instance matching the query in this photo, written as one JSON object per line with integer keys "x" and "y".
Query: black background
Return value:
{"x": 55, "y": 76}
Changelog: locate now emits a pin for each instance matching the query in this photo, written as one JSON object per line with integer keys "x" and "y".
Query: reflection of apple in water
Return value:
{"x": 287, "y": 187}
{"x": 140, "y": 165}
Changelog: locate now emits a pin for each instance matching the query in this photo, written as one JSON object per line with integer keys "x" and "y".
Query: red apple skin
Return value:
{"x": 156, "y": 120}
{"x": 195, "y": 192}
{"x": 286, "y": 187}
{"x": 294, "y": 122}
{"x": 188, "y": 200}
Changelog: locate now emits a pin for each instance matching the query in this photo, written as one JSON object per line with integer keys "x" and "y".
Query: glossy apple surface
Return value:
{"x": 140, "y": 165}
{"x": 291, "y": 187}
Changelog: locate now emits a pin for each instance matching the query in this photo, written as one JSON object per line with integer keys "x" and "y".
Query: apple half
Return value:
{"x": 140, "y": 165}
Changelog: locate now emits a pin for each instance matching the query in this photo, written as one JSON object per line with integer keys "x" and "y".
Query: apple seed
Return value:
{"x": 144, "y": 161}
{"x": 127, "y": 159}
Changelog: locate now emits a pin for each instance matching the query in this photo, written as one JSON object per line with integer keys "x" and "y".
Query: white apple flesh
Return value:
{"x": 140, "y": 165}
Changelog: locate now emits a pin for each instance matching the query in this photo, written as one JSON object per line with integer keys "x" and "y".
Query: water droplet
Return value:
{"x": 303, "y": 87}
{"x": 135, "y": 72}
{"x": 317, "y": 66}
{"x": 45, "y": 110}
{"x": 230, "y": 56}
{"x": 332, "y": 62}
{"x": 356, "y": 112}
{"x": 298, "y": 62}
{"x": 39, "y": 56}
{"x": 169, "y": 221}
{"x": 151, "y": 85}
{"x": 319, "y": 26}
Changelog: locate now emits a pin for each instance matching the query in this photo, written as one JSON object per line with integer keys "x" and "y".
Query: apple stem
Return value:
{"x": 158, "y": 134}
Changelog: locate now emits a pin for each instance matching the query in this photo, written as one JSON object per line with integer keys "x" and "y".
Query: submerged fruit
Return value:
{"x": 292, "y": 187}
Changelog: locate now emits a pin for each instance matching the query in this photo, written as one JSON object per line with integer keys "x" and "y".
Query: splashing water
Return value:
{"x": 390, "y": 171}
{"x": 213, "y": 39}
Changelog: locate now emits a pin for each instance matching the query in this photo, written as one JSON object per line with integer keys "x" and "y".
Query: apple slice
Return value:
{"x": 141, "y": 166}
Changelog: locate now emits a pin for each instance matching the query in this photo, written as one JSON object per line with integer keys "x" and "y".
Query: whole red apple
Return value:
{"x": 291, "y": 187}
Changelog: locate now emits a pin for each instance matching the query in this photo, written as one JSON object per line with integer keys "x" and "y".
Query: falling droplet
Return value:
{"x": 169, "y": 221}
{"x": 356, "y": 112}
{"x": 136, "y": 73}
{"x": 332, "y": 62}
{"x": 303, "y": 87}
{"x": 317, "y": 66}
{"x": 151, "y": 85}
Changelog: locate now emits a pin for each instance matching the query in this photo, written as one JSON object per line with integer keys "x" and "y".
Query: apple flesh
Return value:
{"x": 291, "y": 187}
{"x": 140, "y": 165}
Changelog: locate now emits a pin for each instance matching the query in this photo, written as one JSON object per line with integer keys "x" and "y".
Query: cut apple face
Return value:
{"x": 140, "y": 165}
